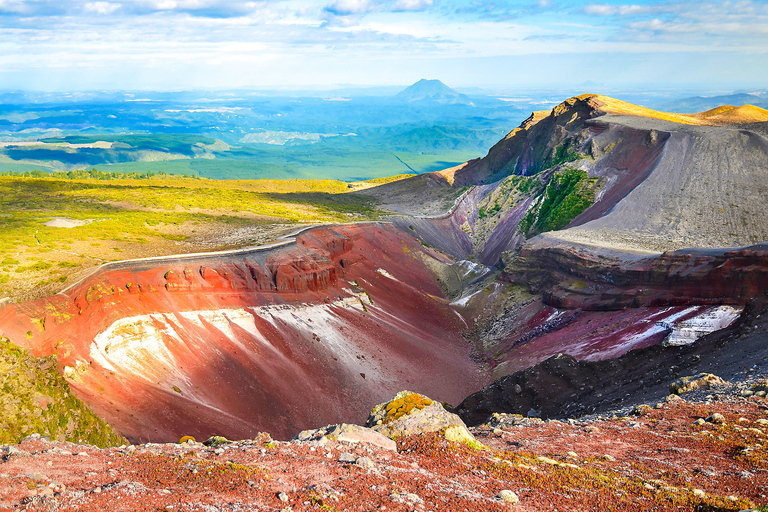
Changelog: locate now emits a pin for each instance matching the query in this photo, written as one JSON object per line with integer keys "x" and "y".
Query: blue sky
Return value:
{"x": 187, "y": 44}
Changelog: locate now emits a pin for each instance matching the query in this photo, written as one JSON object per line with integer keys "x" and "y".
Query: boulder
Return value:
{"x": 411, "y": 413}
{"x": 346, "y": 433}
{"x": 701, "y": 380}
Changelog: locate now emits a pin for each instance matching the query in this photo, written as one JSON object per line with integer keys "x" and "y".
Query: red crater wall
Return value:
{"x": 274, "y": 340}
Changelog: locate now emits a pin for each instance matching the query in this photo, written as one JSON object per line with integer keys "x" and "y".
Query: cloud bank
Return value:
{"x": 176, "y": 44}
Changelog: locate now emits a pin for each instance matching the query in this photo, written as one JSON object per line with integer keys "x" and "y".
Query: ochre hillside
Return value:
{"x": 723, "y": 115}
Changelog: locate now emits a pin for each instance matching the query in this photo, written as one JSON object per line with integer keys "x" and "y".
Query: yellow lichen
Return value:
{"x": 400, "y": 407}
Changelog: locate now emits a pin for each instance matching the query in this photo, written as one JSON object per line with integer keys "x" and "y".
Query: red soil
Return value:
{"x": 657, "y": 461}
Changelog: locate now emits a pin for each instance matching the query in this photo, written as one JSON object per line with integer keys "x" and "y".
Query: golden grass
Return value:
{"x": 449, "y": 173}
{"x": 723, "y": 115}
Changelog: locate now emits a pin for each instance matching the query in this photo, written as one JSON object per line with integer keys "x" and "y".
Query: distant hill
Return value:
{"x": 432, "y": 91}
{"x": 700, "y": 103}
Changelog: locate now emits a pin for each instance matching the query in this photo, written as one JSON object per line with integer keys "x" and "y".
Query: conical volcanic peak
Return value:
{"x": 432, "y": 91}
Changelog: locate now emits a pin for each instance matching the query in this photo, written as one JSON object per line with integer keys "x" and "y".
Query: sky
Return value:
{"x": 50, "y": 45}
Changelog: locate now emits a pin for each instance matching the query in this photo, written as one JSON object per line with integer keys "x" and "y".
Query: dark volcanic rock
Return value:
{"x": 562, "y": 387}
{"x": 572, "y": 276}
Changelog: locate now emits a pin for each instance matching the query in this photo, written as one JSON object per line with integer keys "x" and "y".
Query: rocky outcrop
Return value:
{"x": 571, "y": 276}
{"x": 302, "y": 274}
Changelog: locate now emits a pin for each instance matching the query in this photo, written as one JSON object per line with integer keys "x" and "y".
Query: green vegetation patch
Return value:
{"x": 568, "y": 193}
{"x": 34, "y": 398}
{"x": 509, "y": 193}
{"x": 141, "y": 215}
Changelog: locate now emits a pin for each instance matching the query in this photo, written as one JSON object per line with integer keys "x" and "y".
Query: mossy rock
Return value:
{"x": 410, "y": 413}
{"x": 216, "y": 441}
{"x": 459, "y": 434}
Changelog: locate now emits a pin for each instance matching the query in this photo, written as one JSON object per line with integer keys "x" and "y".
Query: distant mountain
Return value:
{"x": 432, "y": 91}
{"x": 701, "y": 104}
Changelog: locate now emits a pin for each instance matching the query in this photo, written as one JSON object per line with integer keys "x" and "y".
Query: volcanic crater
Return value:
{"x": 591, "y": 230}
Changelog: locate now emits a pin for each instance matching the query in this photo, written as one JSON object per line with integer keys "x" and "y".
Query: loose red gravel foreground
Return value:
{"x": 658, "y": 459}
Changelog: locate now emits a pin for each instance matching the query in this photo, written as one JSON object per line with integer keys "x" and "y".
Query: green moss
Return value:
{"x": 568, "y": 194}
{"x": 35, "y": 398}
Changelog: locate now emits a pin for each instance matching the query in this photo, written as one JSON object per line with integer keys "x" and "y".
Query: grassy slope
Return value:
{"x": 129, "y": 218}
{"x": 34, "y": 398}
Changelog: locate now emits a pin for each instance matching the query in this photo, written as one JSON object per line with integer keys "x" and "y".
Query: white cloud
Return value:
{"x": 349, "y": 7}
{"x": 412, "y": 5}
{"x": 612, "y": 10}
{"x": 101, "y": 8}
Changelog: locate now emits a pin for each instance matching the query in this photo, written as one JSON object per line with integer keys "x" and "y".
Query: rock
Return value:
{"x": 762, "y": 421}
{"x": 701, "y": 380}
{"x": 547, "y": 460}
{"x": 716, "y": 418}
{"x": 216, "y": 441}
{"x": 364, "y": 462}
{"x": 508, "y": 496}
{"x": 673, "y": 398}
{"x": 641, "y": 409}
{"x": 699, "y": 422}
{"x": 347, "y": 457}
{"x": 746, "y": 393}
{"x": 504, "y": 420}
{"x": 459, "y": 434}
{"x": 13, "y": 451}
{"x": 699, "y": 493}
{"x": 346, "y": 433}
{"x": 410, "y": 413}
{"x": 414, "y": 498}
{"x": 609, "y": 458}
{"x": 283, "y": 497}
